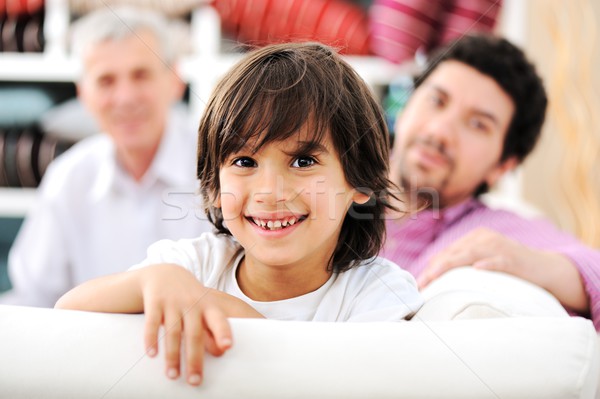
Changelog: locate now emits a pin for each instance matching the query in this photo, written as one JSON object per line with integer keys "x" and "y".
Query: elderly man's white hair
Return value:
{"x": 117, "y": 23}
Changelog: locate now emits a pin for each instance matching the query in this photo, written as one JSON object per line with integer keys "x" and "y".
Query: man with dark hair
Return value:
{"x": 476, "y": 112}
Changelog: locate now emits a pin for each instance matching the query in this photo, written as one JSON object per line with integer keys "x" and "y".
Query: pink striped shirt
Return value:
{"x": 413, "y": 242}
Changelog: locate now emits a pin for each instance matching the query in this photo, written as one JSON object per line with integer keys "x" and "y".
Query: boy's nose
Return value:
{"x": 271, "y": 187}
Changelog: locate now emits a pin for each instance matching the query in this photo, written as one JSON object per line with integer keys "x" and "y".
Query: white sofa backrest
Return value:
{"x": 68, "y": 354}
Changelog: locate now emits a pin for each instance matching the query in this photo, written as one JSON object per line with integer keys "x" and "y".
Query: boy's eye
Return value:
{"x": 303, "y": 162}
{"x": 244, "y": 162}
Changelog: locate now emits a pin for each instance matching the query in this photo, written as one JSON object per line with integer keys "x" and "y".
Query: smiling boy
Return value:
{"x": 277, "y": 152}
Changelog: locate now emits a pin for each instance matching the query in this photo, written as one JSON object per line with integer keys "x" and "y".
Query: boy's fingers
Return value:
{"x": 173, "y": 325}
{"x": 220, "y": 331}
{"x": 193, "y": 332}
{"x": 151, "y": 328}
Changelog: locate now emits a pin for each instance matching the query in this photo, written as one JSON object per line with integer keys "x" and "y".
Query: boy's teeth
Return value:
{"x": 274, "y": 224}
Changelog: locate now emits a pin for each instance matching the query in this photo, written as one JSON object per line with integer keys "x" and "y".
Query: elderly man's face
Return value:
{"x": 129, "y": 89}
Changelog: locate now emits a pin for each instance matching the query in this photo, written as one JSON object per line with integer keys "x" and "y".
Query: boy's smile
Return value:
{"x": 286, "y": 208}
{"x": 276, "y": 221}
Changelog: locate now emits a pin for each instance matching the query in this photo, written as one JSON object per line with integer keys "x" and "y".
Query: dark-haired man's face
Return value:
{"x": 450, "y": 135}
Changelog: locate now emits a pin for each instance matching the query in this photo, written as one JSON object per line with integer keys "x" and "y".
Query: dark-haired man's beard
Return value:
{"x": 422, "y": 189}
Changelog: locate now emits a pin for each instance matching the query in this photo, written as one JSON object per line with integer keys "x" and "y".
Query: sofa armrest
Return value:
{"x": 48, "y": 353}
{"x": 468, "y": 293}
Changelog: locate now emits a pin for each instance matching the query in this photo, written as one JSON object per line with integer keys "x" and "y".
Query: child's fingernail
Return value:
{"x": 172, "y": 373}
{"x": 226, "y": 342}
{"x": 195, "y": 379}
{"x": 151, "y": 352}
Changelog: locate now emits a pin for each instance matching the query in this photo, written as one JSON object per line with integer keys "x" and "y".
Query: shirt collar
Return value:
{"x": 451, "y": 214}
{"x": 173, "y": 164}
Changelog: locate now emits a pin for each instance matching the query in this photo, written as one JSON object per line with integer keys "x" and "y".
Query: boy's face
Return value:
{"x": 450, "y": 136}
{"x": 286, "y": 207}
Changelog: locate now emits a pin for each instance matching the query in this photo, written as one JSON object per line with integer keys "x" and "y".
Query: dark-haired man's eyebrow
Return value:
{"x": 487, "y": 115}
{"x": 438, "y": 89}
{"x": 476, "y": 111}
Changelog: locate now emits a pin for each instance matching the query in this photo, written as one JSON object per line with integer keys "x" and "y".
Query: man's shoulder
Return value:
{"x": 85, "y": 152}
{"x": 484, "y": 214}
{"x": 502, "y": 220}
{"x": 82, "y": 161}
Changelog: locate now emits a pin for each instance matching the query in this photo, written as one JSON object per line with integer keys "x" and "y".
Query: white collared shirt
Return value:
{"x": 91, "y": 218}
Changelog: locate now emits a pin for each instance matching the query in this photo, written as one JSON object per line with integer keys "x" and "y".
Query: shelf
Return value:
{"x": 37, "y": 67}
{"x": 16, "y": 202}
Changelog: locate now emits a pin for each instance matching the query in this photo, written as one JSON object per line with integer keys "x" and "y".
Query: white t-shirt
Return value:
{"x": 375, "y": 290}
{"x": 92, "y": 218}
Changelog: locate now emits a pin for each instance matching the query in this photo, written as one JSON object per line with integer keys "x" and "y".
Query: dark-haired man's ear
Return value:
{"x": 499, "y": 170}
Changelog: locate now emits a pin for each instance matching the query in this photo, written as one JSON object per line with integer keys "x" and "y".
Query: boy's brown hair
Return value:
{"x": 268, "y": 97}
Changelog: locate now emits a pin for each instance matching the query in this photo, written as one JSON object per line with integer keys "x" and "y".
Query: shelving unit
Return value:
{"x": 16, "y": 201}
{"x": 201, "y": 70}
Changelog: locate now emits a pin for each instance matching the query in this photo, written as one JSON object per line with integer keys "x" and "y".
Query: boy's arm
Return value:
{"x": 115, "y": 293}
{"x": 171, "y": 296}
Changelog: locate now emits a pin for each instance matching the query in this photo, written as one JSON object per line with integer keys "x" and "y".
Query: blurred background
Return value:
{"x": 385, "y": 41}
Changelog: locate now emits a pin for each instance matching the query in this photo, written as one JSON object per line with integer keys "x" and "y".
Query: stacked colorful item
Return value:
{"x": 21, "y": 26}
{"x": 400, "y": 28}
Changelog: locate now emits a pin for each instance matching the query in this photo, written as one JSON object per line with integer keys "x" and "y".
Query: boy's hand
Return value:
{"x": 191, "y": 314}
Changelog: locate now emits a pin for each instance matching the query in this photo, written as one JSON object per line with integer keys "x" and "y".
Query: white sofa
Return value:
{"x": 479, "y": 335}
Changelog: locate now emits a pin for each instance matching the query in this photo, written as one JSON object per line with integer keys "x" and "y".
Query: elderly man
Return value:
{"x": 104, "y": 201}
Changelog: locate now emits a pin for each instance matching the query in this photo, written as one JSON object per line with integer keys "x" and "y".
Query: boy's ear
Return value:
{"x": 360, "y": 198}
{"x": 217, "y": 201}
